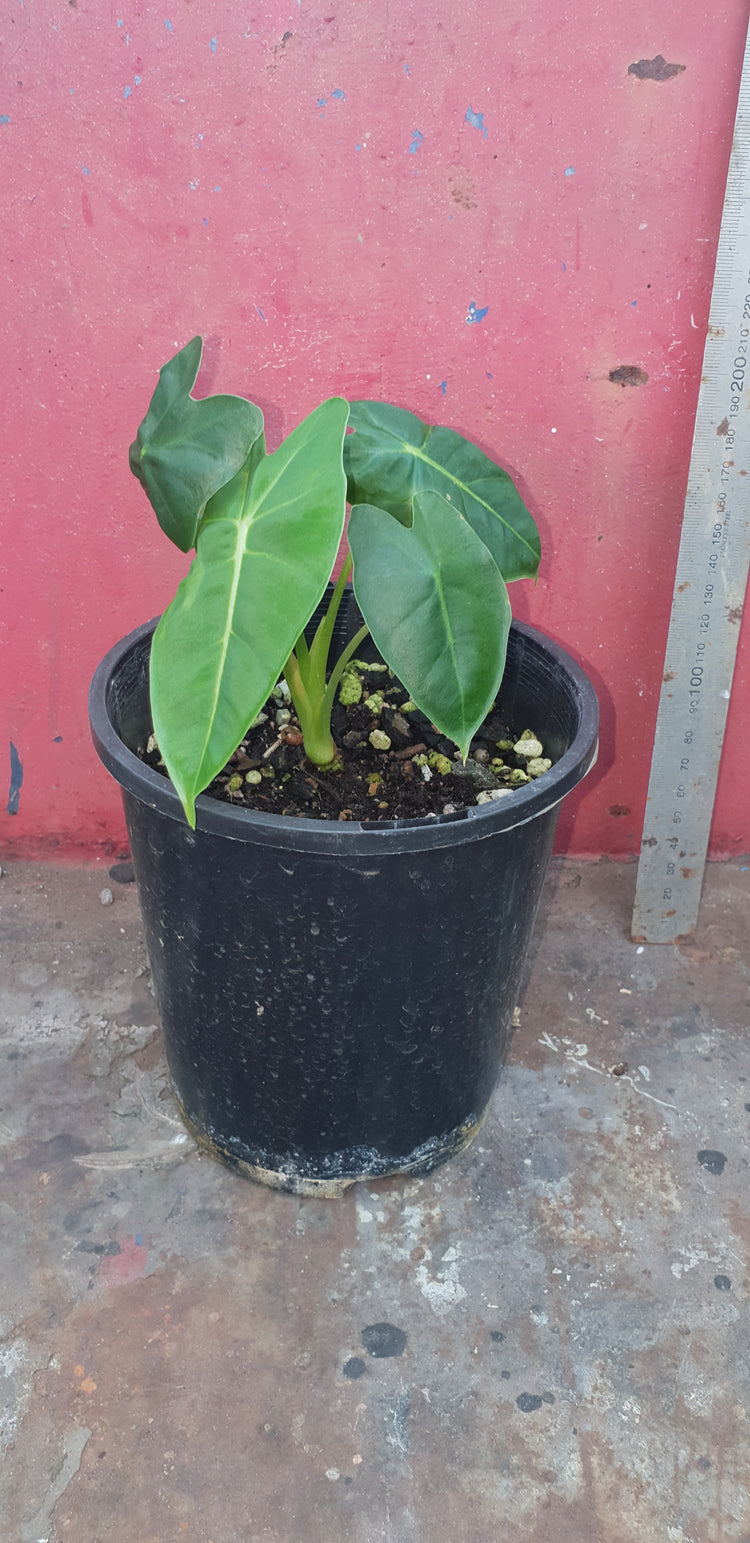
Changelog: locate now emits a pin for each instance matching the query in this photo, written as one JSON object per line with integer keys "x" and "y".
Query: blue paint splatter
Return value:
{"x": 57, "y": 739}
{"x": 138, "y": 79}
{"x": 212, "y": 45}
{"x": 139, "y": 1240}
{"x": 260, "y": 313}
{"x": 476, "y": 120}
{"x": 205, "y": 221}
{"x": 168, "y": 25}
{"x": 443, "y": 386}
{"x": 489, "y": 375}
{"x": 407, "y": 69}
{"x": 120, "y": 23}
{"x": 358, "y": 147}
{"x": 4, "y": 117}
{"x": 16, "y": 779}
{"x": 339, "y": 95}
{"x": 564, "y": 267}
{"x": 633, "y": 302}
{"x": 322, "y": 101}
{"x": 416, "y": 142}
{"x": 217, "y": 189}
{"x": 86, "y": 171}
{"x": 128, "y": 91}
{"x": 475, "y": 314}
{"x": 570, "y": 171}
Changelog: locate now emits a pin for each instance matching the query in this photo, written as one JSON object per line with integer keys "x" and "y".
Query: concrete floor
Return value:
{"x": 545, "y": 1340}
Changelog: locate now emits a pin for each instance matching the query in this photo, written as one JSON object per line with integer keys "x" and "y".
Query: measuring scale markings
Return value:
{"x": 709, "y": 589}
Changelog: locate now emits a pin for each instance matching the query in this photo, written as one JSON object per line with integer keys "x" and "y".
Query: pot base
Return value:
{"x": 358, "y": 1168}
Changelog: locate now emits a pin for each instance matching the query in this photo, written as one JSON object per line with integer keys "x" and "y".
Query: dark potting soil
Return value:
{"x": 371, "y": 783}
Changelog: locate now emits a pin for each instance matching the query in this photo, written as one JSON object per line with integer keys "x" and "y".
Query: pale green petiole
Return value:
{"x": 305, "y": 673}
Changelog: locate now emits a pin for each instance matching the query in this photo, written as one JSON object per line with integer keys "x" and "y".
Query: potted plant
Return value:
{"x": 336, "y": 991}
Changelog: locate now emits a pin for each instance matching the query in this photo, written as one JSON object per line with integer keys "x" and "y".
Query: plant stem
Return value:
{"x": 305, "y": 672}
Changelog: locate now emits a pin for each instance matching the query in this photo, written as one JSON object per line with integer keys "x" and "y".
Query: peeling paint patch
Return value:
{"x": 16, "y": 779}
{"x": 416, "y": 142}
{"x": 399, "y": 1436}
{"x": 476, "y": 314}
{"x": 40, "y": 1523}
{"x": 628, "y": 375}
{"x": 476, "y": 120}
{"x": 443, "y": 1290}
{"x": 126, "y": 1266}
{"x": 655, "y": 69}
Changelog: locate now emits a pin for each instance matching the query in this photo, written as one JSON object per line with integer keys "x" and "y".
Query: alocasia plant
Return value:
{"x": 436, "y": 531}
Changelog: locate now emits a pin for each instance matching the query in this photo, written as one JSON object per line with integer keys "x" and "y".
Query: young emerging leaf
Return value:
{"x": 437, "y": 608}
{"x": 185, "y": 451}
{"x": 392, "y": 456}
{"x": 265, "y": 549}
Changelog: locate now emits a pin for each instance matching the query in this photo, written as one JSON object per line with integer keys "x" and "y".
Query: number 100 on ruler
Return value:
{"x": 709, "y": 591}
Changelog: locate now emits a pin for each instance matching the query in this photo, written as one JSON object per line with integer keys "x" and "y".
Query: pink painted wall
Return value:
{"x": 323, "y": 188}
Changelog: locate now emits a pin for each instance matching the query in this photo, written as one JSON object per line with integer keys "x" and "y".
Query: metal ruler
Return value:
{"x": 712, "y": 569}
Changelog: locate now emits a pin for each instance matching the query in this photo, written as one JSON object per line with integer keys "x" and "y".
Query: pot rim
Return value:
{"x": 329, "y": 837}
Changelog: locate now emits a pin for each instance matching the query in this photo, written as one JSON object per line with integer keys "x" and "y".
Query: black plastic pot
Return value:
{"x": 337, "y": 998}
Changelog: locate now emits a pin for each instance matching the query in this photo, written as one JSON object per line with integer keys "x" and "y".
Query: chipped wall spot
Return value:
{"x": 735, "y": 615}
{"x": 475, "y": 314}
{"x": 628, "y": 375}
{"x": 16, "y": 779}
{"x": 617, "y": 810}
{"x": 476, "y": 120}
{"x": 722, "y": 428}
{"x": 655, "y": 69}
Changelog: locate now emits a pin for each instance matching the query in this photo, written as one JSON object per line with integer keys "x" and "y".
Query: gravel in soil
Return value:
{"x": 394, "y": 764}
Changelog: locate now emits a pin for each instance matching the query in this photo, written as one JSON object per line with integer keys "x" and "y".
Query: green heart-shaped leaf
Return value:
{"x": 391, "y": 456}
{"x": 185, "y": 450}
{"x": 265, "y": 550}
{"x": 437, "y": 608}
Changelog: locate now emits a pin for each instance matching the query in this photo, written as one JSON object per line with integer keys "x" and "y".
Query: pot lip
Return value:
{"x": 332, "y": 838}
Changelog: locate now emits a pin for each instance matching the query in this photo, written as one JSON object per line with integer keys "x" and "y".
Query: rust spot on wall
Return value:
{"x": 682, "y": 587}
{"x": 667, "y": 676}
{"x": 616, "y": 810}
{"x": 735, "y": 615}
{"x": 655, "y": 69}
{"x": 461, "y": 193}
{"x": 688, "y": 873}
{"x": 722, "y": 428}
{"x": 628, "y": 375}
